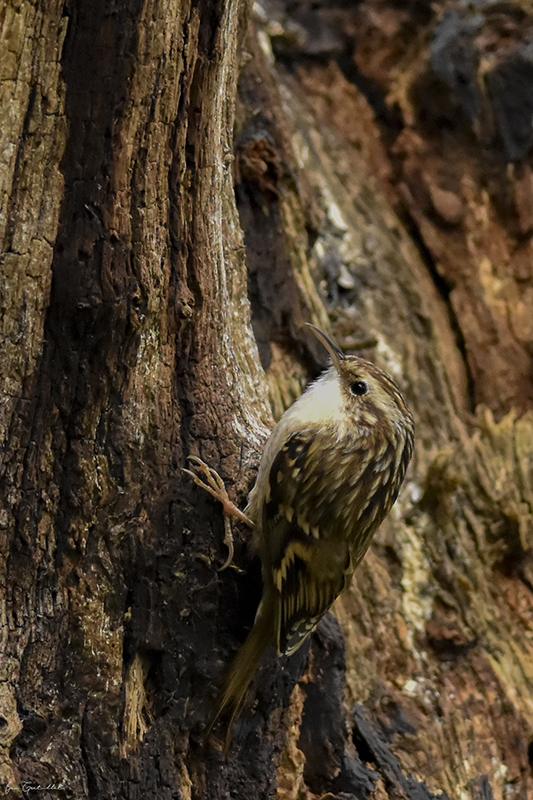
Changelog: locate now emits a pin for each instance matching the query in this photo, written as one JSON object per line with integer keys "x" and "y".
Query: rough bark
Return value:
{"x": 182, "y": 185}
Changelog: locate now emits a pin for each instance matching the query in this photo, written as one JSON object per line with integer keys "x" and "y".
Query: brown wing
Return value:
{"x": 308, "y": 560}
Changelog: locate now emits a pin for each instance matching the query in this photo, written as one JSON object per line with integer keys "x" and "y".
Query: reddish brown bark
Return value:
{"x": 181, "y": 187}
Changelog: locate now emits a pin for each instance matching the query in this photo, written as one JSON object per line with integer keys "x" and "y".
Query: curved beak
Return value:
{"x": 336, "y": 354}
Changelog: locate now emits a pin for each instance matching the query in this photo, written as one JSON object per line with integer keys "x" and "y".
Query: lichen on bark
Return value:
{"x": 182, "y": 185}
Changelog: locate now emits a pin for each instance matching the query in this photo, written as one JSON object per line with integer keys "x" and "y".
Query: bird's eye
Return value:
{"x": 359, "y": 388}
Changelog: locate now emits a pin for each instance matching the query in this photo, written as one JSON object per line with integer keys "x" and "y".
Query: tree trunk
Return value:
{"x": 182, "y": 186}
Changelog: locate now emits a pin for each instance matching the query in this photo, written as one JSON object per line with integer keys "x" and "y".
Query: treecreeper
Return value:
{"x": 329, "y": 475}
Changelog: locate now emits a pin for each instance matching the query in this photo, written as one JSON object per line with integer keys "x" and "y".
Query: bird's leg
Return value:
{"x": 215, "y": 487}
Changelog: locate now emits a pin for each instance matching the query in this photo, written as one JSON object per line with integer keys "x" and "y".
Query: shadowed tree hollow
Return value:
{"x": 182, "y": 186}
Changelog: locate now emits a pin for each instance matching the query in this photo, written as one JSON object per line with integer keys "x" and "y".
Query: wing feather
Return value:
{"x": 307, "y": 562}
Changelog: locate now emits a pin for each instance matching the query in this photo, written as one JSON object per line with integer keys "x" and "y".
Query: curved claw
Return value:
{"x": 215, "y": 487}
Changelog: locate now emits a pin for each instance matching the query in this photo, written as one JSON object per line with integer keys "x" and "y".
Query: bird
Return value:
{"x": 328, "y": 476}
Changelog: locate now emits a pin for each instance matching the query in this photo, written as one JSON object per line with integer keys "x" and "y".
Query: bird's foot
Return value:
{"x": 215, "y": 486}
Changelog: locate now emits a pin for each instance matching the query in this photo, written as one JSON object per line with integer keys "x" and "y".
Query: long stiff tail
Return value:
{"x": 232, "y": 695}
